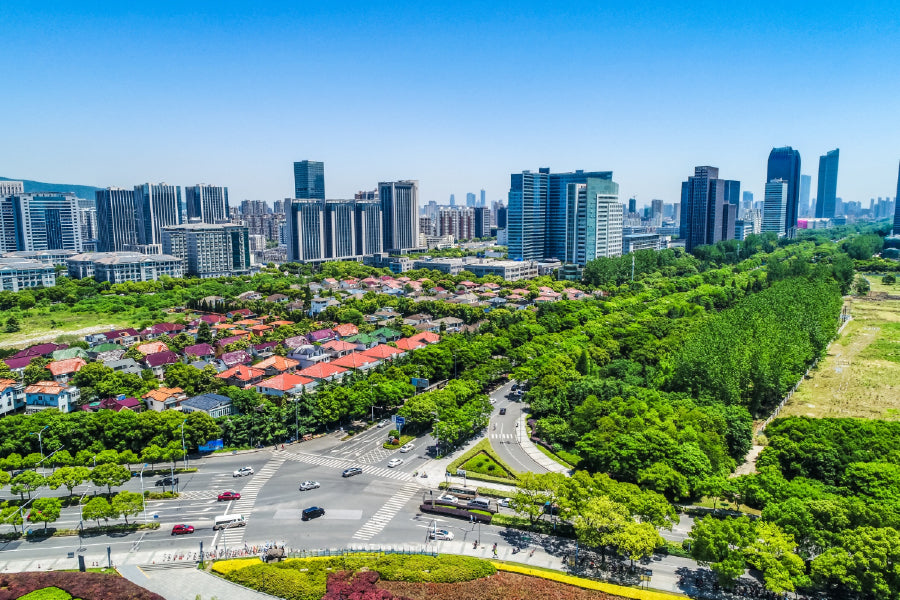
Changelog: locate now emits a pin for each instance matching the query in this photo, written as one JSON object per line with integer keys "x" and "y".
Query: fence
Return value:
{"x": 260, "y": 550}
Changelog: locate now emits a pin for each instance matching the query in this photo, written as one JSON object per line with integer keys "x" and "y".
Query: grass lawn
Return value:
{"x": 39, "y": 325}
{"x": 860, "y": 376}
{"x": 481, "y": 462}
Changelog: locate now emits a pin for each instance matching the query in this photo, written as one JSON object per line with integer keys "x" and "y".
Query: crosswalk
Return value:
{"x": 234, "y": 536}
{"x": 387, "y": 512}
{"x": 197, "y": 495}
{"x": 374, "y": 456}
{"x": 503, "y": 436}
{"x": 340, "y": 463}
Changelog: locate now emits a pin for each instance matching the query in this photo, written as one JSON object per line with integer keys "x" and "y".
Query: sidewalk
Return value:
{"x": 188, "y": 584}
{"x": 536, "y": 455}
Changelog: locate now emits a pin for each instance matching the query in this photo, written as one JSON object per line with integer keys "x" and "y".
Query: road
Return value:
{"x": 505, "y": 435}
{"x": 379, "y": 508}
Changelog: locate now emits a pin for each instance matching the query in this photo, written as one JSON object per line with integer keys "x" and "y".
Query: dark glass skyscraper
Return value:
{"x": 116, "y": 220}
{"x": 702, "y": 208}
{"x": 827, "y": 184}
{"x": 784, "y": 164}
{"x": 309, "y": 180}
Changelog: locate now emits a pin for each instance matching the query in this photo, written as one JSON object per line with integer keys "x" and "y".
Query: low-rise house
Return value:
{"x": 408, "y": 344}
{"x": 330, "y": 283}
{"x": 152, "y": 348}
{"x": 232, "y": 359}
{"x": 338, "y": 348}
{"x": 248, "y": 322}
{"x": 308, "y": 355}
{"x": 426, "y": 337}
{"x": 281, "y": 323}
{"x": 295, "y": 305}
{"x": 384, "y": 352}
{"x": 17, "y": 365}
{"x": 362, "y": 341}
{"x": 324, "y": 372}
{"x": 37, "y": 350}
{"x": 260, "y": 329}
{"x": 275, "y": 365}
{"x": 123, "y": 337}
{"x": 277, "y": 298}
{"x": 417, "y": 319}
{"x": 215, "y": 405}
{"x": 321, "y": 336}
{"x": 286, "y": 384}
{"x": 67, "y": 353}
{"x": 110, "y": 355}
{"x": 345, "y": 330}
{"x": 95, "y": 351}
{"x": 210, "y": 320}
{"x": 161, "y": 329}
{"x": 45, "y": 395}
{"x": 240, "y": 313}
{"x": 318, "y": 305}
{"x": 297, "y": 341}
{"x": 124, "y": 365}
{"x": 264, "y": 349}
{"x": 386, "y": 314}
{"x": 386, "y": 334}
{"x": 249, "y": 296}
{"x": 12, "y": 396}
{"x": 198, "y": 352}
{"x": 450, "y": 323}
{"x": 165, "y": 398}
{"x": 63, "y": 370}
{"x": 242, "y": 375}
{"x": 356, "y": 360}
{"x": 159, "y": 361}
{"x": 430, "y": 326}
{"x": 115, "y": 404}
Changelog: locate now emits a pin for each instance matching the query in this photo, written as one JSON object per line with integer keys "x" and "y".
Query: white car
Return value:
{"x": 383, "y": 423}
{"x": 406, "y": 448}
{"x": 243, "y": 471}
{"x": 440, "y": 534}
{"x": 395, "y": 462}
{"x": 505, "y": 502}
{"x": 309, "y": 485}
{"x": 447, "y": 498}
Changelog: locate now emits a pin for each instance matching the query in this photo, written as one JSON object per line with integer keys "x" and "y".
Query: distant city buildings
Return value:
{"x": 400, "y": 215}
{"x": 40, "y": 221}
{"x": 827, "y": 184}
{"x": 309, "y": 180}
{"x": 158, "y": 206}
{"x": 318, "y": 231}
{"x": 703, "y": 209}
{"x": 209, "y": 250}
{"x": 116, "y": 219}
{"x": 784, "y": 164}
{"x": 119, "y": 267}
{"x": 803, "y": 207}
{"x": 775, "y": 209}
{"x": 207, "y": 203}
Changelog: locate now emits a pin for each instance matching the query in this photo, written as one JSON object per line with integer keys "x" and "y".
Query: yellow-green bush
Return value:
{"x": 225, "y": 567}
{"x": 588, "y": 584}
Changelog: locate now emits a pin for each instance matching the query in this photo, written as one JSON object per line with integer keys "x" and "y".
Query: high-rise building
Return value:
{"x": 732, "y": 192}
{"x": 11, "y": 188}
{"x": 278, "y": 207}
{"x": 41, "y": 221}
{"x": 482, "y": 222}
{"x": 254, "y": 207}
{"x": 594, "y": 223}
{"x": 702, "y": 208}
{"x": 305, "y": 230}
{"x": 207, "y": 203}
{"x": 87, "y": 215}
{"x": 632, "y": 205}
{"x": 426, "y": 226}
{"x": 527, "y": 215}
{"x": 340, "y": 229}
{"x": 827, "y": 185}
{"x": 897, "y": 207}
{"x": 470, "y": 200}
{"x": 775, "y": 208}
{"x": 209, "y": 250}
{"x": 332, "y": 230}
{"x": 309, "y": 180}
{"x": 803, "y": 209}
{"x": 563, "y": 206}
{"x": 502, "y": 216}
{"x": 369, "y": 228}
{"x": 400, "y": 214}
{"x": 458, "y": 222}
{"x": 656, "y": 209}
{"x": 157, "y": 206}
{"x": 784, "y": 164}
{"x": 729, "y": 218}
{"x": 483, "y": 201}
{"x": 116, "y": 220}
{"x": 676, "y": 213}
{"x": 452, "y": 199}
{"x": 748, "y": 200}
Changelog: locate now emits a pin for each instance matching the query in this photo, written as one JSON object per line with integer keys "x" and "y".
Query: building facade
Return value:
{"x": 11, "y": 188}
{"x": 22, "y": 273}
{"x": 827, "y": 185}
{"x": 42, "y": 221}
{"x": 309, "y": 180}
{"x": 207, "y": 203}
{"x": 803, "y": 208}
{"x": 209, "y": 250}
{"x": 119, "y": 267}
{"x": 116, "y": 219}
{"x": 784, "y": 164}
{"x": 775, "y": 208}
{"x": 400, "y": 214}
{"x": 702, "y": 208}
{"x": 158, "y": 206}
{"x": 527, "y": 216}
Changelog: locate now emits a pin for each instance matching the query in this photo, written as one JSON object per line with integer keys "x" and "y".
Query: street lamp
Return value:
{"x": 183, "y": 451}
{"x": 41, "y": 444}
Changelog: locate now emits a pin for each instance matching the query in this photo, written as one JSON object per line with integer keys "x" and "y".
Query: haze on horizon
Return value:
{"x": 457, "y": 96}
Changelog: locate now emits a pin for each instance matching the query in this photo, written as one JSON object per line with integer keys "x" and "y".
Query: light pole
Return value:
{"x": 143, "y": 501}
{"x": 41, "y": 444}
{"x": 183, "y": 451}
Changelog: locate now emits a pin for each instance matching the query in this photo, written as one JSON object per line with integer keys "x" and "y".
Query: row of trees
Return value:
{"x": 108, "y": 475}
{"x": 47, "y": 510}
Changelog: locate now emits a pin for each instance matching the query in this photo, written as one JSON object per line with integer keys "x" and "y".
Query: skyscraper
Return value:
{"x": 43, "y": 221}
{"x": 732, "y": 192}
{"x": 158, "y": 206}
{"x": 470, "y": 200}
{"x": 11, "y": 188}
{"x": 775, "y": 208}
{"x": 400, "y": 214}
{"x": 369, "y": 224}
{"x": 305, "y": 230}
{"x": 784, "y": 164}
{"x": 207, "y": 203}
{"x": 594, "y": 221}
{"x": 527, "y": 214}
{"x": 452, "y": 199}
{"x": 563, "y": 206}
{"x": 748, "y": 200}
{"x": 632, "y": 205}
{"x": 116, "y": 220}
{"x": 827, "y": 184}
{"x": 209, "y": 250}
{"x": 897, "y": 207}
{"x": 656, "y": 209}
{"x": 803, "y": 210}
{"x": 309, "y": 180}
{"x": 702, "y": 205}
{"x": 482, "y": 222}
{"x": 483, "y": 201}
{"x": 502, "y": 216}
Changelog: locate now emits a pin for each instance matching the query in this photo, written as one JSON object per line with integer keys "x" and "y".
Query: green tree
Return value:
{"x": 888, "y": 279}
{"x": 599, "y": 521}
{"x": 204, "y": 333}
{"x": 152, "y": 454}
{"x": 4, "y": 479}
{"x": 70, "y": 477}
{"x": 12, "y": 324}
{"x": 36, "y": 371}
{"x": 864, "y": 563}
{"x": 861, "y": 287}
{"x": 719, "y": 544}
{"x": 637, "y": 540}
{"x": 98, "y": 508}
{"x": 110, "y": 475}
{"x": 26, "y": 482}
{"x": 662, "y": 478}
{"x": 11, "y": 515}
{"x": 773, "y": 553}
{"x": 127, "y": 503}
{"x": 531, "y": 494}
{"x": 45, "y": 510}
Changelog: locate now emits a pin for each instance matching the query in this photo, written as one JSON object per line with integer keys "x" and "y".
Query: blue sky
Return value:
{"x": 456, "y": 95}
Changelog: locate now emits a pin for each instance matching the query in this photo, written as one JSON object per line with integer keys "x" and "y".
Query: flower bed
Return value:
{"x": 86, "y": 586}
{"x": 589, "y": 584}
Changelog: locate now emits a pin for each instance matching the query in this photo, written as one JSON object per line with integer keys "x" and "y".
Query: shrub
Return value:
{"x": 225, "y": 567}
{"x": 283, "y": 580}
{"x": 432, "y": 569}
{"x": 589, "y": 584}
{"x": 50, "y": 593}
{"x": 87, "y": 586}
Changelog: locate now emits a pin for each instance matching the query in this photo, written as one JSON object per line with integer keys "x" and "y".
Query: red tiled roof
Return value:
{"x": 339, "y": 346}
{"x": 427, "y": 337}
{"x": 241, "y": 373}
{"x": 161, "y": 358}
{"x": 382, "y": 351}
{"x": 346, "y": 330}
{"x": 410, "y": 344}
{"x": 279, "y": 363}
{"x": 322, "y": 371}
{"x": 63, "y": 367}
{"x": 354, "y": 360}
{"x": 285, "y": 382}
{"x": 51, "y": 388}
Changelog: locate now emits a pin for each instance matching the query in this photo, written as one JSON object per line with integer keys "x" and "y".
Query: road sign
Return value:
{"x": 460, "y": 472}
{"x": 400, "y": 421}
{"x": 419, "y": 382}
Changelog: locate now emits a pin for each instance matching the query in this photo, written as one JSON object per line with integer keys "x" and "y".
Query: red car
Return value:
{"x": 182, "y": 529}
{"x": 229, "y": 496}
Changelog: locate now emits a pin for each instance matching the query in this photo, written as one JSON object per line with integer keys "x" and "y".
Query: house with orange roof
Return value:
{"x": 247, "y": 322}
{"x": 152, "y": 348}
{"x": 275, "y": 365}
{"x": 45, "y": 395}
{"x": 338, "y": 348}
{"x": 260, "y": 329}
{"x": 286, "y": 384}
{"x": 426, "y": 337}
{"x": 62, "y": 370}
{"x": 324, "y": 372}
{"x": 221, "y": 326}
{"x": 165, "y": 398}
{"x": 242, "y": 375}
{"x": 346, "y": 330}
{"x": 12, "y": 396}
{"x": 384, "y": 352}
{"x": 408, "y": 344}
{"x": 356, "y": 360}
{"x": 281, "y": 323}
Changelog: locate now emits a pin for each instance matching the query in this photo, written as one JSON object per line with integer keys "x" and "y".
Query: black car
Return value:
{"x": 502, "y": 411}
{"x": 167, "y": 481}
{"x": 351, "y": 472}
{"x": 311, "y": 513}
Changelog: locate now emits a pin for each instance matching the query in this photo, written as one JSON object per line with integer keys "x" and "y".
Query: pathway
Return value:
{"x": 186, "y": 583}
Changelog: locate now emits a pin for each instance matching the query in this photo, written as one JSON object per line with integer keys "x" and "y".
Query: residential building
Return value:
{"x": 116, "y": 219}
{"x": 400, "y": 214}
{"x": 207, "y": 203}
{"x": 369, "y": 228}
{"x": 118, "y": 267}
{"x": 784, "y": 164}
{"x": 482, "y": 221}
{"x": 803, "y": 207}
{"x": 165, "y": 398}
{"x": 286, "y": 384}
{"x": 309, "y": 180}
{"x": 827, "y": 184}
{"x": 63, "y": 370}
{"x": 12, "y": 393}
{"x": 775, "y": 208}
{"x": 209, "y": 250}
{"x": 21, "y": 273}
{"x": 215, "y": 405}
{"x": 305, "y": 230}
{"x": 643, "y": 241}
{"x": 729, "y": 216}
{"x": 702, "y": 208}
{"x": 157, "y": 206}
{"x": 42, "y": 221}
{"x": 45, "y": 395}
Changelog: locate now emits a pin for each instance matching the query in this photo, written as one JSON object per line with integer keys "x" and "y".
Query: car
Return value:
{"x": 182, "y": 529}
{"x": 395, "y": 462}
{"x": 518, "y": 392}
{"x": 505, "y": 502}
{"x": 351, "y": 472}
{"x": 406, "y": 448}
{"x": 308, "y": 485}
{"x": 167, "y": 481}
{"x": 243, "y": 471}
{"x": 311, "y": 513}
{"x": 229, "y": 496}
{"x": 440, "y": 534}
{"x": 383, "y": 423}
{"x": 502, "y": 411}
{"x": 447, "y": 498}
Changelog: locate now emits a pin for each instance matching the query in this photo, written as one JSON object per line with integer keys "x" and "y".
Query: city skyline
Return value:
{"x": 246, "y": 135}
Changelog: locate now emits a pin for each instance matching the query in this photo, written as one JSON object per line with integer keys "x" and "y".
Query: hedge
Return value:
{"x": 50, "y": 593}
{"x": 225, "y": 567}
{"x": 479, "y": 516}
{"x": 484, "y": 446}
{"x": 89, "y": 586}
{"x": 404, "y": 439}
{"x": 588, "y": 584}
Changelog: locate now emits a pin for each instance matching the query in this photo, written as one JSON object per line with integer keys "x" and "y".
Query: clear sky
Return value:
{"x": 456, "y": 95}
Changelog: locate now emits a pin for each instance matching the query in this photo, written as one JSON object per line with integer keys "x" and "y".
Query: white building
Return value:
{"x": 21, "y": 273}
{"x": 119, "y": 267}
{"x": 775, "y": 206}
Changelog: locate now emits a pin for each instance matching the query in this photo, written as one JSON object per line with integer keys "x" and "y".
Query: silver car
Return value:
{"x": 309, "y": 485}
